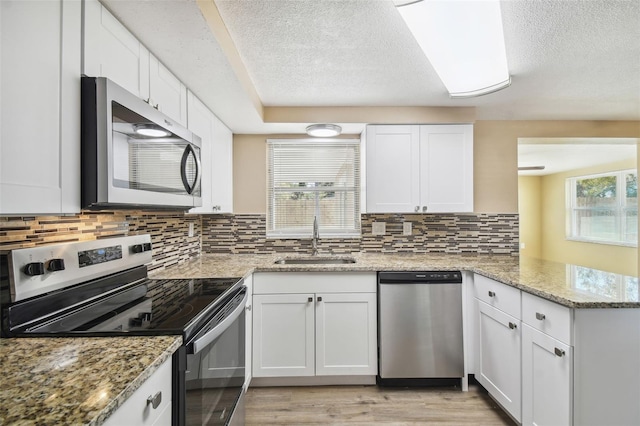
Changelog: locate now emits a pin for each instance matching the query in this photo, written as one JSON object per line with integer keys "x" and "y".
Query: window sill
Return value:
{"x": 602, "y": 242}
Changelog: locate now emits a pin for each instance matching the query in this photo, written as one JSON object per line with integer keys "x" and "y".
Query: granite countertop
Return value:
{"x": 75, "y": 380}
{"x": 568, "y": 285}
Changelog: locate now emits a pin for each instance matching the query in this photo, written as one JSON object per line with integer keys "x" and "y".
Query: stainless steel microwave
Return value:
{"x": 134, "y": 156}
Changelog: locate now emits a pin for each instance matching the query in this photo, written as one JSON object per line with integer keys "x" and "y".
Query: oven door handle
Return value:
{"x": 201, "y": 342}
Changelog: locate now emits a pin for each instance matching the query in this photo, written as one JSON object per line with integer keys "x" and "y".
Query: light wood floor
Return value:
{"x": 366, "y": 405}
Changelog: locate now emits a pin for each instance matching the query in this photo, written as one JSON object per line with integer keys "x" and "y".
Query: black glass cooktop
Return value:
{"x": 142, "y": 307}
{"x": 170, "y": 306}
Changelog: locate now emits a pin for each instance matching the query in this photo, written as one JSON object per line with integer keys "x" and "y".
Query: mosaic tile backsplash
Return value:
{"x": 228, "y": 233}
{"x": 431, "y": 233}
{"x": 169, "y": 231}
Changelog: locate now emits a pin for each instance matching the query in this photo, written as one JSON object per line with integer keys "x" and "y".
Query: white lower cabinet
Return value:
{"x": 315, "y": 333}
{"x": 139, "y": 408}
{"x": 498, "y": 357}
{"x": 547, "y": 366}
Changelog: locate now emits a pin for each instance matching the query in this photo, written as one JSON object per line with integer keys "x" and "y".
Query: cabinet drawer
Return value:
{"x": 498, "y": 295}
{"x": 136, "y": 410}
{"x": 546, "y": 316}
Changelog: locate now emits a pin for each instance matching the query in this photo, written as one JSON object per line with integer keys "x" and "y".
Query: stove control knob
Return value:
{"x": 34, "y": 268}
{"x": 55, "y": 265}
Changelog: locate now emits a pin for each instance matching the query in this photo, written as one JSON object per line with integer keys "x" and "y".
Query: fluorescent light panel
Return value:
{"x": 464, "y": 41}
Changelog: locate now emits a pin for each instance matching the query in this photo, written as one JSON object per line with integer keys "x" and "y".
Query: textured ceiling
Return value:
{"x": 563, "y": 155}
{"x": 569, "y": 59}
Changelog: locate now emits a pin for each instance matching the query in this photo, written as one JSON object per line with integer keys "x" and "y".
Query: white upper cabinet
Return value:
{"x": 217, "y": 158}
{"x": 419, "y": 168}
{"x": 222, "y": 168}
{"x": 166, "y": 92}
{"x": 111, "y": 51}
{"x": 40, "y": 107}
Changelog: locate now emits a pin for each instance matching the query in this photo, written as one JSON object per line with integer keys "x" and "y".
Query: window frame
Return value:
{"x": 620, "y": 208}
{"x": 307, "y": 231}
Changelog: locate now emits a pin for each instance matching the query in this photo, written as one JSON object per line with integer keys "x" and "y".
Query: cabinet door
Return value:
{"x": 283, "y": 335}
{"x": 446, "y": 168}
{"x": 166, "y": 92}
{"x": 393, "y": 169}
{"x": 221, "y": 168}
{"x": 111, "y": 51}
{"x": 546, "y": 379}
{"x": 40, "y": 107}
{"x": 200, "y": 121}
{"x": 498, "y": 357}
{"x": 346, "y": 334}
{"x": 248, "y": 332}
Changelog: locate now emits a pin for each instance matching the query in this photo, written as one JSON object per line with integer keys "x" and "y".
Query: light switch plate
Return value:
{"x": 378, "y": 228}
{"x": 407, "y": 228}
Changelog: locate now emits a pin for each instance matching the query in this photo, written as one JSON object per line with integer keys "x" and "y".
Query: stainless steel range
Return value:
{"x": 101, "y": 288}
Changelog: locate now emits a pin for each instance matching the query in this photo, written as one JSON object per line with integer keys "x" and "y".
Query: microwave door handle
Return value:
{"x": 198, "y": 171}
{"x": 201, "y": 342}
{"x": 188, "y": 150}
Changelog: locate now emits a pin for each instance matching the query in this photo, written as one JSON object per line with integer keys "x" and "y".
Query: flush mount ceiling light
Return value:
{"x": 150, "y": 130}
{"x": 464, "y": 42}
{"x": 324, "y": 130}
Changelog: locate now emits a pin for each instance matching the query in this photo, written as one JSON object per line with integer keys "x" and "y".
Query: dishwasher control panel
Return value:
{"x": 426, "y": 277}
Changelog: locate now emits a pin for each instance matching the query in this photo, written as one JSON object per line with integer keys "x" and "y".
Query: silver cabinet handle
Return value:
{"x": 558, "y": 352}
{"x": 310, "y": 299}
{"x": 248, "y": 307}
{"x": 512, "y": 326}
{"x": 424, "y": 209}
{"x": 491, "y": 294}
{"x": 319, "y": 298}
{"x": 417, "y": 209}
{"x": 540, "y": 316}
{"x": 155, "y": 400}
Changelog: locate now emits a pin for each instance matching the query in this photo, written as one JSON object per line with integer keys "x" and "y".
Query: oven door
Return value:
{"x": 215, "y": 370}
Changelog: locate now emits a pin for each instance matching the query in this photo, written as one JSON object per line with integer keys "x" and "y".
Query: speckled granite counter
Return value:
{"x": 55, "y": 381}
{"x": 569, "y": 285}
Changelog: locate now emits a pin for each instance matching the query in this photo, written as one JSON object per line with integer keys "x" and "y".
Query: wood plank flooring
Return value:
{"x": 366, "y": 405}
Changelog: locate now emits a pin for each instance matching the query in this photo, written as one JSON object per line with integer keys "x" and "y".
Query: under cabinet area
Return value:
{"x": 314, "y": 324}
{"x": 548, "y": 364}
{"x": 419, "y": 168}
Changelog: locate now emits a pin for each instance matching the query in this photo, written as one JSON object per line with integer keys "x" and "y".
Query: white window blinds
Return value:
{"x": 313, "y": 178}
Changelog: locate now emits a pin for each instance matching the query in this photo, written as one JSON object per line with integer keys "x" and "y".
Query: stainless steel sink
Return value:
{"x": 315, "y": 261}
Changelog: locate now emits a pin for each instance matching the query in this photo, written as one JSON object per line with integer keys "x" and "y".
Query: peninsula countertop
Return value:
{"x": 569, "y": 285}
{"x": 75, "y": 380}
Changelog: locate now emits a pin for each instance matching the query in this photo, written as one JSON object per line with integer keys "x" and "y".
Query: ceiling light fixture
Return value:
{"x": 463, "y": 40}
{"x": 324, "y": 130}
{"x": 150, "y": 130}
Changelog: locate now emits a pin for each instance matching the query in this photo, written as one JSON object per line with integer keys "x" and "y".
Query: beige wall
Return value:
{"x": 530, "y": 209}
{"x": 496, "y": 154}
{"x": 623, "y": 260}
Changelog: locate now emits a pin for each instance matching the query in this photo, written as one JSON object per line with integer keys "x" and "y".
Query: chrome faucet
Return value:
{"x": 316, "y": 237}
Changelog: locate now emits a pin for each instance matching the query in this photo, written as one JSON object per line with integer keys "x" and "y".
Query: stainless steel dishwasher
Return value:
{"x": 420, "y": 326}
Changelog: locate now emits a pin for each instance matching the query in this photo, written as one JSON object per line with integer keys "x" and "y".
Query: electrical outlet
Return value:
{"x": 192, "y": 229}
{"x": 378, "y": 228}
{"x": 407, "y": 228}
{"x": 521, "y": 246}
